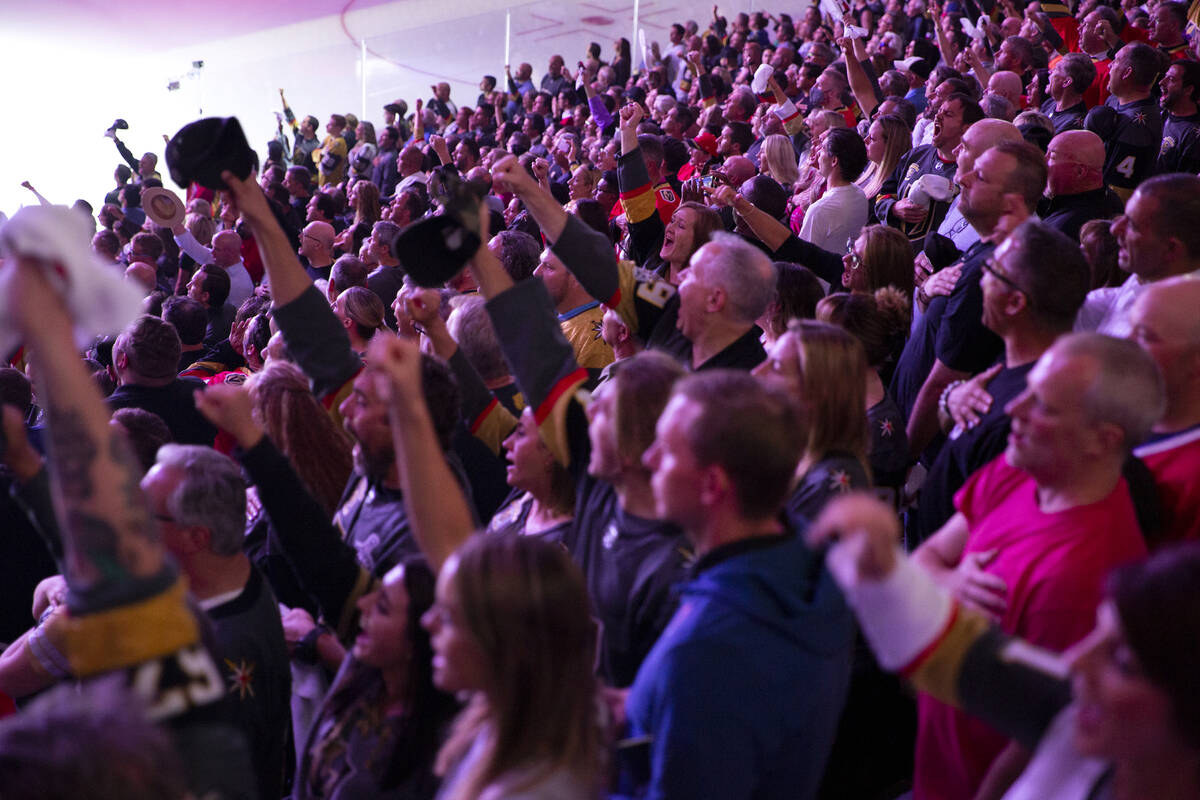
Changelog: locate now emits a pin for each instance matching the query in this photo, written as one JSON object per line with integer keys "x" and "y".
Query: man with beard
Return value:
{"x": 579, "y": 314}
{"x": 372, "y": 516}
{"x": 892, "y": 205}
{"x": 1075, "y": 190}
{"x": 951, "y": 343}
{"x": 1180, "y": 151}
{"x": 1032, "y": 289}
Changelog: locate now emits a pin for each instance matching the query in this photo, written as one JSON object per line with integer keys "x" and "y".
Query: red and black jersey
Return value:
{"x": 1177, "y": 52}
{"x": 1064, "y": 24}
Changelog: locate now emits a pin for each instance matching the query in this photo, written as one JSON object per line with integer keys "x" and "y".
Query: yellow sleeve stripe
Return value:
{"x": 493, "y": 425}
{"x": 936, "y": 670}
{"x": 639, "y": 204}
{"x": 551, "y": 415}
{"x": 125, "y": 636}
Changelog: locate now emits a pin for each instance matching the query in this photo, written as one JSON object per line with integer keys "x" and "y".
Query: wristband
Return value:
{"x": 944, "y": 400}
{"x": 306, "y": 649}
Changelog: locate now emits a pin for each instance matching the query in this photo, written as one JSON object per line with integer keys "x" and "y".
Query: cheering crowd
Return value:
{"x": 806, "y": 407}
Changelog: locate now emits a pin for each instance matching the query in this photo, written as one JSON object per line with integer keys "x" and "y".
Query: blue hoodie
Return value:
{"x": 742, "y": 693}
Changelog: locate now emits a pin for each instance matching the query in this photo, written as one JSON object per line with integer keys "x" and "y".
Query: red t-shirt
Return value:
{"x": 1175, "y": 462}
{"x": 1054, "y": 566}
{"x": 1097, "y": 93}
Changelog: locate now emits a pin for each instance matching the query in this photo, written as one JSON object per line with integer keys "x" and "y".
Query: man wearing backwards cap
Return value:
{"x": 917, "y": 71}
{"x": 704, "y": 150}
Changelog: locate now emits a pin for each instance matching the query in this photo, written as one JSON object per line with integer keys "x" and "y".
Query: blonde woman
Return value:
{"x": 531, "y": 728}
{"x": 583, "y": 182}
{"x": 888, "y": 139}
{"x": 822, "y": 366}
{"x": 778, "y": 160}
{"x": 511, "y": 627}
{"x": 361, "y": 313}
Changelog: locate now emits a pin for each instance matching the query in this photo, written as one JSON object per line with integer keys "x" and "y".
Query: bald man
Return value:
{"x": 316, "y": 245}
{"x": 1006, "y": 84}
{"x": 1075, "y": 188}
{"x": 142, "y": 274}
{"x": 979, "y": 137}
{"x": 408, "y": 166}
{"x": 738, "y": 170}
{"x": 1167, "y": 327}
{"x": 226, "y": 253}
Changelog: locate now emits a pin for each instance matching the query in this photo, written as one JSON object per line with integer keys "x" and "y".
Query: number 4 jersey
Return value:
{"x": 1132, "y": 134}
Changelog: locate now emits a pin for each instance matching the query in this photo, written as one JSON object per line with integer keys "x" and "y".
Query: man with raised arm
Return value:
{"x": 708, "y": 324}
{"x": 372, "y": 516}
{"x": 125, "y": 614}
{"x": 629, "y": 556}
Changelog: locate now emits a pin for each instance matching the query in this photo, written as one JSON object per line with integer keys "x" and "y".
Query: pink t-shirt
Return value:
{"x": 1054, "y": 566}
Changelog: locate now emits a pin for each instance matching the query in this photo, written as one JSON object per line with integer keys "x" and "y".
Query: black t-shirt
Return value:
{"x": 1069, "y": 119}
{"x": 484, "y": 471}
{"x": 174, "y": 403}
{"x": 320, "y": 273}
{"x": 630, "y": 565}
{"x": 888, "y": 453}
{"x": 513, "y": 514}
{"x": 1180, "y": 150}
{"x": 963, "y": 342}
{"x": 951, "y": 331}
{"x": 385, "y": 282}
{"x": 253, "y": 657}
{"x": 966, "y": 452}
{"x": 745, "y": 353}
{"x": 1131, "y": 141}
{"x": 24, "y": 561}
{"x": 917, "y": 357}
{"x": 220, "y": 322}
{"x": 832, "y": 476}
{"x": 1067, "y": 213}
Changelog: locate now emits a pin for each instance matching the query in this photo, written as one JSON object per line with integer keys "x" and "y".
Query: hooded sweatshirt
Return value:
{"x": 742, "y": 693}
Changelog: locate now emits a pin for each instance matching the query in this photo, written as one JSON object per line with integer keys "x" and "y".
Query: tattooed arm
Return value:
{"x": 110, "y": 540}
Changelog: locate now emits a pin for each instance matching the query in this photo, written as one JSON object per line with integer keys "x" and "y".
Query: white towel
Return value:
{"x": 100, "y": 300}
